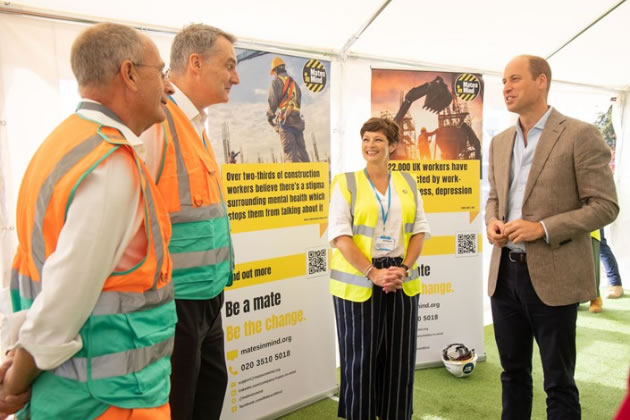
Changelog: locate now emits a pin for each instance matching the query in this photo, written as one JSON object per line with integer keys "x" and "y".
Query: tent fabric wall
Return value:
{"x": 619, "y": 237}
{"x": 35, "y": 75}
{"x": 580, "y": 35}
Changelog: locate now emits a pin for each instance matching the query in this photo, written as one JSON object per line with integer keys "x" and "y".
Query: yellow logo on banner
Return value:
{"x": 314, "y": 75}
{"x": 467, "y": 87}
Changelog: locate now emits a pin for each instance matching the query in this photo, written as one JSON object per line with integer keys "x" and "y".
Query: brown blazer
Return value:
{"x": 571, "y": 189}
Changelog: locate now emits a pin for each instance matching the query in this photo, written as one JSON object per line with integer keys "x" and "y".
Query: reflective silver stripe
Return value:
{"x": 193, "y": 214}
{"x": 183, "y": 179}
{"x": 93, "y": 106}
{"x": 363, "y": 230}
{"x": 351, "y": 183}
{"x": 156, "y": 232}
{"x": 201, "y": 258}
{"x": 354, "y": 279}
{"x": 109, "y": 303}
{"x": 28, "y": 288}
{"x": 412, "y": 184}
{"x": 414, "y": 188}
{"x": 75, "y": 368}
{"x": 115, "y": 364}
{"x": 43, "y": 198}
{"x": 415, "y": 274}
{"x": 15, "y": 279}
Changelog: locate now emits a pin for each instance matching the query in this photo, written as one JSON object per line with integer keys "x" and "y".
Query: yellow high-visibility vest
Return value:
{"x": 346, "y": 281}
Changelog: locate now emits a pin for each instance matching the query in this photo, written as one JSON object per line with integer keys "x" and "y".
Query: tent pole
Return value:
{"x": 362, "y": 29}
{"x": 10, "y": 9}
{"x": 585, "y": 29}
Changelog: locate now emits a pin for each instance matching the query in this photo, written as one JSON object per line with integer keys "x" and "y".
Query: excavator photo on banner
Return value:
{"x": 454, "y": 138}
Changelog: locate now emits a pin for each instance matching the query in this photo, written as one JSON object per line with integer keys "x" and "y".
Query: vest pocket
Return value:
{"x": 153, "y": 325}
{"x": 150, "y": 360}
{"x": 135, "y": 371}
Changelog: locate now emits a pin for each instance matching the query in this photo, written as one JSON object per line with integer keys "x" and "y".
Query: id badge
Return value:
{"x": 384, "y": 243}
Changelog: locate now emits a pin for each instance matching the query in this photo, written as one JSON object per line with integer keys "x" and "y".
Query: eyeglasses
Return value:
{"x": 165, "y": 72}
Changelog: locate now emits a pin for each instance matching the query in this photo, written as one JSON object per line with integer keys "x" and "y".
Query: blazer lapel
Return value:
{"x": 548, "y": 139}
{"x": 502, "y": 173}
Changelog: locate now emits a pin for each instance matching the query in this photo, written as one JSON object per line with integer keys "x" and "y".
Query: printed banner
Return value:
{"x": 274, "y": 140}
{"x": 440, "y": 114}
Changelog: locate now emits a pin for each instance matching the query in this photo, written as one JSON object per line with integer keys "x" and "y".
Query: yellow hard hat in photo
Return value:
{"x": 277, "y": 61}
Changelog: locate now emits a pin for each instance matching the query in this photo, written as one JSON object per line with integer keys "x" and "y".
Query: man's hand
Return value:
{"x": 496, "y": 233}
{"x": 10, "y": 404}
{"x": 523, "y": 231}
{"x": 270, "y": 119}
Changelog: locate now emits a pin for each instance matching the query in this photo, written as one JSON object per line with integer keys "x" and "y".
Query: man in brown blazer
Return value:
{"x": 550, "y": 186}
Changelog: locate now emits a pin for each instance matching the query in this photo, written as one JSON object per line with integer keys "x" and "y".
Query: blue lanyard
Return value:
{"x": 389, "y": 196}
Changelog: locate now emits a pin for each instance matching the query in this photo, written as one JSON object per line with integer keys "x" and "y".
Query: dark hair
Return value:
{"x": 385, "y": 126}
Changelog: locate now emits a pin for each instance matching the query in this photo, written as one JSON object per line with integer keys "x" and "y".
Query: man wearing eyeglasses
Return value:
{"x": 91, "y": 277}
{"x": 203, "y": 70}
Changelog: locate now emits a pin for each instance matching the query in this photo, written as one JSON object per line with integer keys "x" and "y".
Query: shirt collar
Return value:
{"x": 543, "y": 120}
{"x": 540, "y": 124}
{"x": 188, "y": 108}
{"x": 108, "y": 121}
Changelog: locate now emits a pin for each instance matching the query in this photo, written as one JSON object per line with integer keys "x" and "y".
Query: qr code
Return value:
{"x": 466, "y": 244}
{"x": 317, "y": 261}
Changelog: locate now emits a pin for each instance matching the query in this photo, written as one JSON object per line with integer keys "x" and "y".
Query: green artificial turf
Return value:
{"x": 603, "y": 344}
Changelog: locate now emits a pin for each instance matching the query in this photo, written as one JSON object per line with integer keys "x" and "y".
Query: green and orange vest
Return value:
{"x": 190, "y": 184}
{"x": 128, "y": 337}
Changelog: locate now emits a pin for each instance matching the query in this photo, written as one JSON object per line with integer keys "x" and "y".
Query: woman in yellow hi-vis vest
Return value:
{"x": 377, "y": 228}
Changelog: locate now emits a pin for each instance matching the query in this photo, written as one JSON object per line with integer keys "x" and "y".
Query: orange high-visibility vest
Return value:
{"x": 190, "y": 184}
{"x": 128, "y": 337}
{"x": 288, "y": 99}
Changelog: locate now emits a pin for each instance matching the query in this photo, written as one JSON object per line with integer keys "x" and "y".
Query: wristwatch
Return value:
{"x": 406, "y": 267}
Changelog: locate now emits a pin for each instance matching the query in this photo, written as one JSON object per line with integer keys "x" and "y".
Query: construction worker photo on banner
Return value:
{"x": 280, "y": 113}
{"x": 283, "y": 114}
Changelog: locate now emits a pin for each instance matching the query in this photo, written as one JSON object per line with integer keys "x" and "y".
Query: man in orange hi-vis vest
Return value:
{"x": 285, "y": 99}
{"x": 91, "y": 281}
{"x": 203, "y": 70}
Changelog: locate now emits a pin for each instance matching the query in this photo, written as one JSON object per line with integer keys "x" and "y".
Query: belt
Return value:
{"x": 384, "y": 262}
{"x": 516, "y": 256}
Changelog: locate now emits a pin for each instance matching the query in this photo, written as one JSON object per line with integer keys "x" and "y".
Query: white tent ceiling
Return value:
{"x": 480, "y": 35}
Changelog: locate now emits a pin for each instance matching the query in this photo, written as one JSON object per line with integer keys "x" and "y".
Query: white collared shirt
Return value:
{"x": 198, "y": 118}
{"x": 101, "y": 234}
{"x": 153, "y": 137}
{"x": 522, "y": 159}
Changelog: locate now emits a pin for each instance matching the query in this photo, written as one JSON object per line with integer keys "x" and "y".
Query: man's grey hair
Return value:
{"x": 195, "y": 39}
{"x": 99, "y": 51}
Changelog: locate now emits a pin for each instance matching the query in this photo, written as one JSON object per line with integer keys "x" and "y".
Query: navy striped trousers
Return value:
{"x": 377, "y": 346}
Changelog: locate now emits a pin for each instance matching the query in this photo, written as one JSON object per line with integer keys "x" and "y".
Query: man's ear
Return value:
{"x": 194, "y": 62}
{"x": 543, "y": 82}
{"x": 129, "y": 75}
